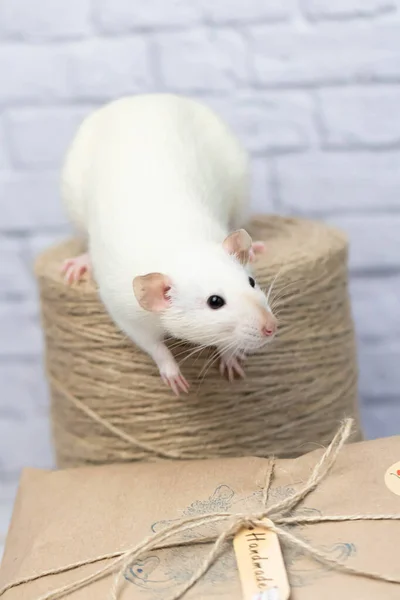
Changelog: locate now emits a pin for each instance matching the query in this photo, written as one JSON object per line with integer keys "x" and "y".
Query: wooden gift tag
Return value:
{"x": 260, "y": 563}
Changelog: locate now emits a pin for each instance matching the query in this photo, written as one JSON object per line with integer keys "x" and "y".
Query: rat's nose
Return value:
{"x": 269, "y": 328}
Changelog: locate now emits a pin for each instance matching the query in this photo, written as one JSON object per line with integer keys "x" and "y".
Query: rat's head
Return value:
{"x": 210, "y": 297}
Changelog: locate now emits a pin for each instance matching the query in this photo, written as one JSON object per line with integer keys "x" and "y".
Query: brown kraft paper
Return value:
{"x": 64, "y": 517}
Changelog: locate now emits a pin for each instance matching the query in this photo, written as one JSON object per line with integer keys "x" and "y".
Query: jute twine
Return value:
{"x": 110, "y": 405}
{"x": 278, "y": 515}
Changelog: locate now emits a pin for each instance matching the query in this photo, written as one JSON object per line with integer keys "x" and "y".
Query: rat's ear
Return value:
{"x": 151, "y": 291}
{"x": 239, "y": 243}
{"x": 256, "y": 249}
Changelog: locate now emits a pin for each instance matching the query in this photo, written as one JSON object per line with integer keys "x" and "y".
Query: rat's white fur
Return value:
{"x": 155, "y": 183}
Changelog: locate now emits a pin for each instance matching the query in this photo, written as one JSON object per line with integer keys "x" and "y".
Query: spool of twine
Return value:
{"x": 108, "y": 403}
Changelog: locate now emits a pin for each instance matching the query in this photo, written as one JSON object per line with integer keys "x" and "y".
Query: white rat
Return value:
{"x": 155, "y": 183}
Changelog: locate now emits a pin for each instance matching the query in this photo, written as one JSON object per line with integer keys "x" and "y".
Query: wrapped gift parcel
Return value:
{"x": 74, "y": 530}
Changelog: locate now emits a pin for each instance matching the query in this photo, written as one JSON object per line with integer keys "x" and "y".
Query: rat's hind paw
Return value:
{"x": 75, "y": 268}
{"x": 231, "y": 367}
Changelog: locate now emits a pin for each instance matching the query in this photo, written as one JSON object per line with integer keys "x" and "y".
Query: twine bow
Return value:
{"x": 279, "y": 515}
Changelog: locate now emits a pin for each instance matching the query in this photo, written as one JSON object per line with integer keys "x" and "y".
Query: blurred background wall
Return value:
{"x": 312, "y": 87}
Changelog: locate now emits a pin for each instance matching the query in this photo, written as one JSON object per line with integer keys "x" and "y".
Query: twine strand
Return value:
{"x": 116, "y": 431}
{"x": 319, "y": 472}
{"x": 332, "y": 563}
{"x": 232, "y": 524}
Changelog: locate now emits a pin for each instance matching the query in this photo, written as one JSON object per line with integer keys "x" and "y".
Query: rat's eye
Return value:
{"x": 215, "y": 302}
{"x": 252, "y": 282}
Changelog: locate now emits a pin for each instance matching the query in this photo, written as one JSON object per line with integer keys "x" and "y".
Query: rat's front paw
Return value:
{"x": 173, "y": 378}
{"x": 231, "y": 366}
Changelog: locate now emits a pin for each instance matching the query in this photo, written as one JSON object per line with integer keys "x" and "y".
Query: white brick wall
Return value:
{"x": 312, "y": 87}
{"x": 45, "y": 21}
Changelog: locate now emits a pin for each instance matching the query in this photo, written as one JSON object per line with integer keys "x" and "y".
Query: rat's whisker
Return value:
{"x": 208, "y": 365}
{"x": 195, "y": 351}
{"x": 214, "y": 355}
{"x": 289, "y": 284}
{"x": 209, "y": 341}
{"x": 272, "y": 284}
{"x": 280, "y": 297}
